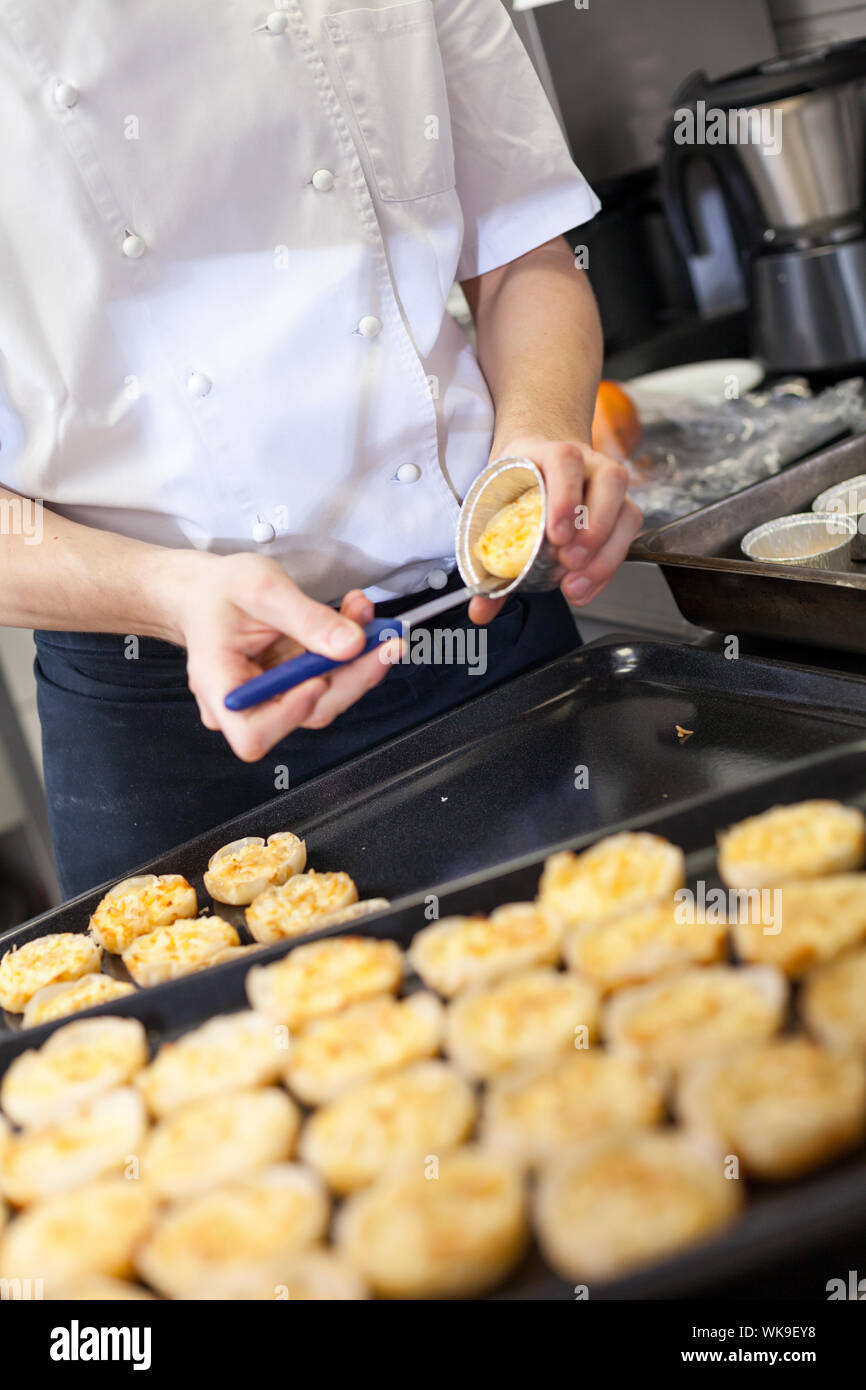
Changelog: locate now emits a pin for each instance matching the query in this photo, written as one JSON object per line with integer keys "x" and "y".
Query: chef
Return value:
{"x": 230, "y": 384}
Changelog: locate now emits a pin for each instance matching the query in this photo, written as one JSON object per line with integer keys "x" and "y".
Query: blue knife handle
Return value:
{"x": 303, "y": 668}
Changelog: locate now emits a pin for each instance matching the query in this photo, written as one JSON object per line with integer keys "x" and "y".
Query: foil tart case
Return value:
{"x": 848, "y": 498}
{"x": 502, "y": 482}
{"x": 814, "y": 540}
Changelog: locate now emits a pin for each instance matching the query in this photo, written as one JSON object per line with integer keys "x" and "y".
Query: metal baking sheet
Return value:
{"x": 716, "y": 587}
{"x": 781, "y": 1223}
{"x": 503, "y": 775}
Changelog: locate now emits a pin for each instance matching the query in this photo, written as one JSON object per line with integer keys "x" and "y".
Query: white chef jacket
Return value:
{"x": 227, "y": 238}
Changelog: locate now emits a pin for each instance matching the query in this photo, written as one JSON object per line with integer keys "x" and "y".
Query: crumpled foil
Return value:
{"x": 696, "y": 452}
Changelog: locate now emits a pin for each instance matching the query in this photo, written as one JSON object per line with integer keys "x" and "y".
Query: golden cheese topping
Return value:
{"x": 521, "y": 1019}
{"x": 169, "y": 952}
{"x": 89, "y": 1231}
{"x": 816, "y": 920}
{"x": 46, "y": 960}
{"x": 448, "y": 1229}
{"x": 79, "y": 1062}
{"x": 805, "y": 840}
{"x": 228, "y": 1053}
{"x": 235, "y": 1230}
{"x": 833, "y": 1002}
{"x": 303, "y": 1276}
{"x": 364, "y": 1041}
{"x": 539, "y": 1110}
{"x": 703, "y": 1010}
{"x": 324, "y": 977}
{"x": 96, "y": 1139}
{"x": 239, "y": 871}
{"x": 619, "y": 874}
{"x": 782, "y": 1107}
{"x": 211, "y": 1141}
{"x": 458, "y": 952}
{"x": 58, "y": 1001}
{"x": 614, "y": 1205}
{"x": 641, "y": 945}
{"x": 506, "y": 545}
{"x": 137, "y": 906}
{"x": 426, "y": 1108}
{"x": 299, "y": 905}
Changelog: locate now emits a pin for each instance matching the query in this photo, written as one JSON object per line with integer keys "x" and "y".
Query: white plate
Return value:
{"x": 702, "y": 381}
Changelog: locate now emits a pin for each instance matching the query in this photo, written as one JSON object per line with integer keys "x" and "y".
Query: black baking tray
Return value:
{"x": 496, "y": 778}
{"x": 784, "y": 1222}
{"x": 716, "y": 587}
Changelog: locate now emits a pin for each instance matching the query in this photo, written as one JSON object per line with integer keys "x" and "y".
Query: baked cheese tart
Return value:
{"x": 518, "y": 1020}
{"x": 365, "y": 908}
{"x": 139, "y": 905}
{"x": 816, "y": 920}
{"x": 72, "y": 997}
{"x": 91, "y": 1230}
{"x": 426, "y": 1108}
{"x": 212, "y": 1141}
{"x": 46, "y": 960}
{"x": 533, "y": 1113}
{"x": 808, "y": 839}
{"x": 303, "y": 1276}
{"x": 297, "y": 907}
{"x": 506, "y": 544}
{"x": 234, "y": 1231}
{"x": 170, "y": 952}
{"x": 782, "y": 1107}
{"x": 101, "y": 1288}
{"x": 76, "y": 1064}
{"x": 230, "y": 954}
{"x": 229, "y": 1053}
{"x": 239, "y": 871}
{"x": 366, "y": 1040}
{"x": 642, "y": 944}
{"x": 703, "y": 1010}
{"x": 621, "y": 873}
{"x": 95, "y": 1140}
{"x": 458, "y": 952}
{"x": 833, "y": 1001}
{"x": 605, "y": 1209}
{"x": 324, "y": 977}
{"x": 448, "y": 1229}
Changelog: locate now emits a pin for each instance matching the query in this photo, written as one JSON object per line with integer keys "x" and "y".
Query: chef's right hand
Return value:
{"x": 237, "y": 615}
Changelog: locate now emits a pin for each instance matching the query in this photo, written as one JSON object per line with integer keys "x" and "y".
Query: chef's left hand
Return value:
{"x": 591, "y": 521}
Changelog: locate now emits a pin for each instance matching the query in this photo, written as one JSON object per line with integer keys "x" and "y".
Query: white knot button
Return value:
{"x": 437, "y": 579}
{"x": 198, "y": 384}
{"x": 408, "y": 473}
{"x": 323, "y": 180}
{"x": 277, "y": 22}
{"x": 133, "y": 246}
{"x": 65, "y": 94}
{"x": 370, "y": 326}
{"x": 263, "y": 532}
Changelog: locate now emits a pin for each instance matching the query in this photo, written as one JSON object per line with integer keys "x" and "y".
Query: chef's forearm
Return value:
{"x": 539, "y": 345}
{"x": 57, "y": 574}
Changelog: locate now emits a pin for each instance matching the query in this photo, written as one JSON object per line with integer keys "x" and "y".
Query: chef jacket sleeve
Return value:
{"x": 517, "y": 183}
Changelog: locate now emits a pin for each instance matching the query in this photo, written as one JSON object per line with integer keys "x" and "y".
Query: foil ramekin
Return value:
{"x": 814, "y": 540}
{"x": 500, "y": 483}
{"x": 849, "y": 499}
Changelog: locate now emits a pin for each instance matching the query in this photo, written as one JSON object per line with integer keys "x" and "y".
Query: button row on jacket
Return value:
{"x": 277, "y": 22}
